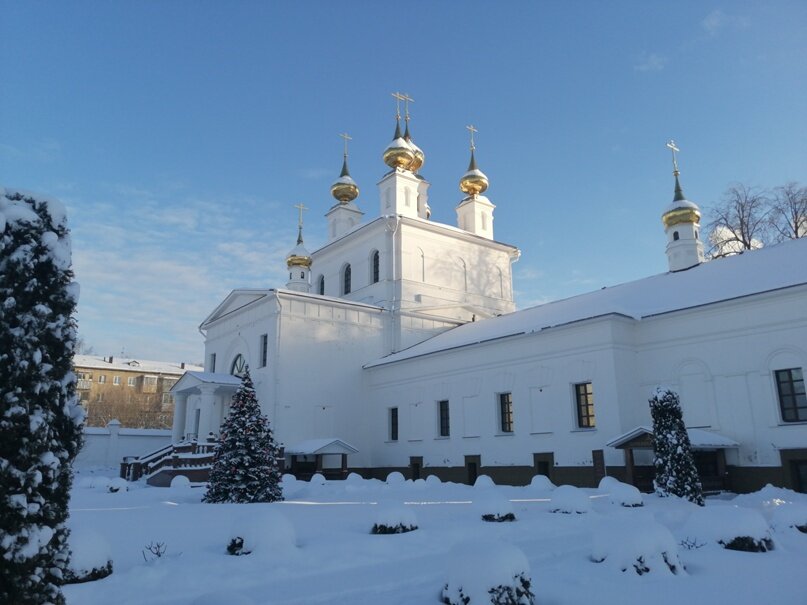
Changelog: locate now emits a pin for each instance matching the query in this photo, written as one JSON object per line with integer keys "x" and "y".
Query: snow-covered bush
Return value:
{"x": 484, "y": 482}
{"x": 639, "y": 545}
{"x": 732, "y": 527}
{"x": 676, "y": 474}
{"x": 606, "y": 483}
{"x": 180, "y": 482}
{"x": 90, "y": 557}
{"x": 496, "y": 508}
{"x": 395, "y": 478}
{"x": 790, "y": 516}
{"x": 262, "y": 530}
{"x": 245, "y": 465}
{"x": 394, "y": 520}
{"x": 354, "y": 479}
{"x": 569, "y": 499}
{"x": 488, "y": 573}
{"x": 542, "y": 483}
{"x": 433, "y": 480}
{"x": 118, "y": 484}
{"x": 623, "y": 494}
{"x": 317, "y": 479}
{"x": 40, "y": 432}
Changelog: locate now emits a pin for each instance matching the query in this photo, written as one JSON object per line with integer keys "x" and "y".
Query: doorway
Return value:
{"x": 472, "y": 465}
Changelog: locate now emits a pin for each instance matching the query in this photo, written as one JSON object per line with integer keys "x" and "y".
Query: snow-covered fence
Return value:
{"x": 108, "y": 445}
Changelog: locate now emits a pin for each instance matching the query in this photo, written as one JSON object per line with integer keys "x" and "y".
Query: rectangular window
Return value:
{"x": 393, "y": 424}
{"x": 506, "y": 412}
{"x": 130, "y": 381}
{"x": 116, "y": 380}
{"x": 585, "y": 405}
{"x": 102, "y": 379}
{"x": 264, "y": 350}
{"x": 444, "y": 428}
{"x": 168, "y": 399}
{"x": 792, "y": 398}
{"x": 212, "y": 362}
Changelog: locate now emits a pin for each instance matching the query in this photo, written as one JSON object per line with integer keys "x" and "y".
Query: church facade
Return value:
{"x": 397, "y": 346}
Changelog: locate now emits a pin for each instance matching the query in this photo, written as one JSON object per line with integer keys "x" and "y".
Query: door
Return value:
{"x": 472, "y": 464}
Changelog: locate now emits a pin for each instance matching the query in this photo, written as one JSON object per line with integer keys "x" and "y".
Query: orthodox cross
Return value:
{"x": 398, "y": 98}
{"x": 407, "y": 100}
{"x": 347, "y": 138}
{"x": 470, "y": 128}
{"x": 300, "y": 207}
{"x": 671, "y": 146}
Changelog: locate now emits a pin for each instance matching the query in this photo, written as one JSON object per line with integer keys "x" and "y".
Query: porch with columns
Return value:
{"x": 205, "y": 395}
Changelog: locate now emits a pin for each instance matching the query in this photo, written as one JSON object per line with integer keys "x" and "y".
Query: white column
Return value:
{"x": 206, "y": 403}
{"x": 180, "y": 417}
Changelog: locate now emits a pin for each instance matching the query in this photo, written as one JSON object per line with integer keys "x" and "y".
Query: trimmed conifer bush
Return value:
{"x": 676, "y": 474}
{"x": 41, "y": 419}
{"x": 245, "y": 467}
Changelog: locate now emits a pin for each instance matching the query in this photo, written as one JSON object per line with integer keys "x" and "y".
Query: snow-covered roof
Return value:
{"x": 329, "y": 445}
{"x": 133, "y": 365}
{"x": 190, "y": 381}
{"x": 698, "y": 438}
{"x": 755, "y": 272}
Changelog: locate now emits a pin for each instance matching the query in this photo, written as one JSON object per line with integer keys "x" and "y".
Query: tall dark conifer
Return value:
{"x": 676, "y": 474}
{"x": 245, "y": 467}
{"x": 40, "y": 418}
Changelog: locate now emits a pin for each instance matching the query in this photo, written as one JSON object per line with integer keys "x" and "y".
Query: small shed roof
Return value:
{"x": 190, "y": 381}
{"x": 700, "y": 439}
{"x": 329, "y": 445}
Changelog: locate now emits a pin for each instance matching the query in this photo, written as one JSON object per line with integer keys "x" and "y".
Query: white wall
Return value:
{"x": 107, "y": 446}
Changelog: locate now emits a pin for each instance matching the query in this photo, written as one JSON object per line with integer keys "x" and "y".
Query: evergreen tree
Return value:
{"x": 676, "y": 474}
{"x": 40, "y": 418}
{"x": 245, "y": 465}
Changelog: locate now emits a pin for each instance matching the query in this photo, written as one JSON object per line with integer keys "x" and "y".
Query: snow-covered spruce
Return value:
{"x": 569, "y": 499}
{"x": 732, "y": 527}
{"x": 676, "y": 474}
{"x": 495, "y": 508}
{"x": 394, "y": 520}
{"x": 488, "y": 573}
{"x": 40, "y": 418}
{"x": 90, "y": 557}
{"x": 635, "y": 544}
{"x": 263, "y": 531}
{"x": 245, "y": 467}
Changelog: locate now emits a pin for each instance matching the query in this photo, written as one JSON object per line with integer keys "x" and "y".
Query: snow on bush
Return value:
{"x": 623, "y": 494}
{"x": 484, "y": 482}
{"x": 495, "y": 508}
{"x": 790, "y": 516}
{"x": 101, "y": 483}
{"x": 433, "y": 480}
{"x": 222, "y": 597}
{"x": 90, "y": 556}
{"x": 262, "y": 530}
{"x": 317, "y": 479}
{"x": 488, "y": 572}
{"x": 118, "y": 484}
{"x": 354, "y": 479}
{"x": 569, "y": 499}
{"x": 395, "y": 478}
{"x": 606, "y": 483}
{"x": 635, "y": 544}
{"x": 541, "y": 482}
{"x": 732, "y": 527}
{"x": 394, "y": 519}
{"x": 181, "y": 482}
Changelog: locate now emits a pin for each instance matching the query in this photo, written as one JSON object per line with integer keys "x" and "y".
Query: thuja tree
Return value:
{"x": 245, "y": 466}
{"x": 40, "y": 418}
{"x": 676, "y": 474}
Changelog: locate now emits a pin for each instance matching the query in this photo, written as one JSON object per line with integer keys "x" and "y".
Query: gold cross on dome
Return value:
{"x": 470, "y": 128}
{"x": 398, "y": 98}
{"x": 671, "y": 146}
{"x": 407, "y": 100}
{"x": 300, "y": 207}
{"x": 347, "y": 138}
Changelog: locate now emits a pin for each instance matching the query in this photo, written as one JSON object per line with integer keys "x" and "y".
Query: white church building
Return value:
{"x": 397, "y": 346}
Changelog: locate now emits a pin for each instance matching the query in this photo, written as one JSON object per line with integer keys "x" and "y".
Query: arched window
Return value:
{"x": 302, "y": 274}
{"x": 375, "y": 264}
{"x": 238, "y": 366}
{"x": 321, "y": 285}
{"x": 346, "y": 280}
{"x": 676, "y": 237}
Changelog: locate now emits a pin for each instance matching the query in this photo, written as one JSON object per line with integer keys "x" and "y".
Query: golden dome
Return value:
{"x": 420, "y": 157}
{"x": 399, "y": 154}
{"x": 345, "y": 189}
{"x": 681, "y": 210}
{"x": 299, "y": 256}
{"x": 474, "y": 181}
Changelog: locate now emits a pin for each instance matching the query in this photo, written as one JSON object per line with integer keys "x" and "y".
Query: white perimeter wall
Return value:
{"x": 107, "y": 446}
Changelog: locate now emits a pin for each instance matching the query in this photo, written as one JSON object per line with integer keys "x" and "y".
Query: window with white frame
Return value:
{"x": 584, "y": 399}
{"x": 130, "y": 382}
{"x": 102, "y": 379}
{"x": 116, "y": 381}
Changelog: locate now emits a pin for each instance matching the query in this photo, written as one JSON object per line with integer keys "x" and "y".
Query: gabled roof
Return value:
{"x": 191, "y": 381}
{"x": 237, "y": 299}
{"x": 698, "y": 438}
{"x": 755, "y": 272}
{"x": 329, "y": 445}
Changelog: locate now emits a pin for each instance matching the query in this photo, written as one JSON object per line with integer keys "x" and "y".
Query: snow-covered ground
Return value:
{"x": 316, "y": 547}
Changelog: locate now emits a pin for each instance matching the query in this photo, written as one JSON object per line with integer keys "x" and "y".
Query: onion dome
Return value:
{"x": 345, "y": 189}
{"x": 299, "y": 256}
{"x": 474, "y": 181}
{"x": 398, "y": 153}
{"x": 681, "y": 210}
{"x": 420, "y": 157}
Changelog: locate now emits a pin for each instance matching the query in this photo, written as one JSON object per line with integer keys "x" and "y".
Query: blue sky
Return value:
{"x": 181, "y": 134}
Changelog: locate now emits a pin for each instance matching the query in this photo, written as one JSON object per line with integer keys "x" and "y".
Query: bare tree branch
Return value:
{"x": 788, "y": 215}
{"x": 739, "y": 222}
